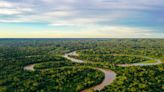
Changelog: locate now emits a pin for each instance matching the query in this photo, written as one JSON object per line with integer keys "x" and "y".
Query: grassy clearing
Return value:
{"x": 148, "y": 61}
{"x": 162, "y": 60}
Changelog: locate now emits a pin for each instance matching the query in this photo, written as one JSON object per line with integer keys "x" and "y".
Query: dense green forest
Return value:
{"x": 54, "y": 73}
{"x": 138, "y": 79}
{"x": 115, "y": 59}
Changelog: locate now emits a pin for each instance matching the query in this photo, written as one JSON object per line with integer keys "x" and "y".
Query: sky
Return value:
{"x": 81, "y": 18}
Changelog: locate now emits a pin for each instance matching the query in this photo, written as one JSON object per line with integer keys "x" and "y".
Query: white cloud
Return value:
{"x": 8, "y": 8}
{"x": 9, "y": 11}
{"x": 6, "y": 4}
{"x": 58, "y": 13}
{"x": 6, "y": 11}
{"x": 88, "y": 15}
{"x": 61, "y": 24}
{"x": 118, "y": 32}
{"x": 130, "y": 4}
{"x": 72, "y": 22}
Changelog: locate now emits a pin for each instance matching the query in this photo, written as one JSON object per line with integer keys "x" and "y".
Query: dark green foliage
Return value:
{"x": 112, "y": 59}
{"x": 56, "y": 74}
{"x": 138, "y": 79}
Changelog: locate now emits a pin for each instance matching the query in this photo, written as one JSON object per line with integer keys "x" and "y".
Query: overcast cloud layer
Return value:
{"x": 82, "y": 18}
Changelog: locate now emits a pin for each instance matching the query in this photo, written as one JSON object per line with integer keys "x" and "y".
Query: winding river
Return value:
{"x": 109, "y": 74}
